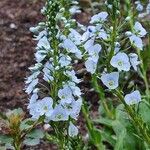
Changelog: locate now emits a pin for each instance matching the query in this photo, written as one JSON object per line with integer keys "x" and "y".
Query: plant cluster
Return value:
{"x": 115, "y": 51}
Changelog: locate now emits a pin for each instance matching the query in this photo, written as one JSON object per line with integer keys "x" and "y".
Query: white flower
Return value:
{"x": 101, "y": 17}
{"x": 72, "y": 130}
{"x": 65, "y": 94}
{"x": 133, "y": 98}
{"x": 121, "y": 62}
{"x": 91, "y": 65}
{"x": 110, "y": 80}
{"x": 134, "y": 60}
{"x": 139, "y": 29}
{"x": 136, "y": 41}
{"x": 58, "y": 114}
{"x": 64, "y": 60}
{"x": 31, "y": 86}
{"x": 72, "y": 75}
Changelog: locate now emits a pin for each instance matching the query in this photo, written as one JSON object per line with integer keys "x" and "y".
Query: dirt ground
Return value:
{"x": 16, "y": 49}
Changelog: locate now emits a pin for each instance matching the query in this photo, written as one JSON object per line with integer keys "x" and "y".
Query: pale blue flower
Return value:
{"x": 139, "y": 29}
{"x": 133, "y": 98}
{"x": 91, "y": 65}
{"x": 64, "y": 60}
{"x": 134, "y": 60}
{"x": 72, "y": 130}
{"x": 43, "y": 43}
{"x": 41, "y": 107}
{"x": 74, "y": 9}
{"x": 136, "y": 41}
{"x": 139, "y": 7}
{"x": 73, "y": 108}
{"x": 75, "y": 90}
{"x": 35, "y": 111}
{"x": 58, "y": 114}
{"x": 75, "y": 36}
{"x": 47, "y": 70}
{"x": 93, "y": 51}
{"x": 110, "y": 80}
{"x": 39, "y": 56}
{"x": 65, "y": 94}
{"x": 88, "y": 43}
{"x": 46, "y": 106}
{"x": 72, "y": 48}
{"x": 121, "y": 61}
{"x": 102, "y": 34}
{"x": 72, "y": 75}
{"x": 101, "y": 17}
{"x": 41, "y": 35}
{"x": 36, "y": 67}
{"x": 33, "y": 99}
{"x": 31, "y": 86}
{"x": 89, "y": 33}
{"x": 32, "y": 77}
{"x": 117, "y": 47}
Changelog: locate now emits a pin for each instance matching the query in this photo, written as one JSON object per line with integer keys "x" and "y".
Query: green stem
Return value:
{"x": 144, "y": 75}
{"x": 138, "y": 123}
{"x": 113, "y": 35}
{"x": 101, "y": 95}
{"x": 90, "y": 126}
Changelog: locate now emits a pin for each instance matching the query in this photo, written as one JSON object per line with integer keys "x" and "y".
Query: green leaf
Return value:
{"x": 120, "y": 141}
{"x": 26, "y": 124}
{"x": 31, "y": 142}
{"x": 51, "y": 138}
{"x": 36, "y": 134}
{"x": 118, "y": 127}
{"x": 104, "y": 121}
{"x": 108, "y": 137}
{"x": 4, "y": 139}
{"x": 96, "y": 136}
{"x": 144, "y": 111}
